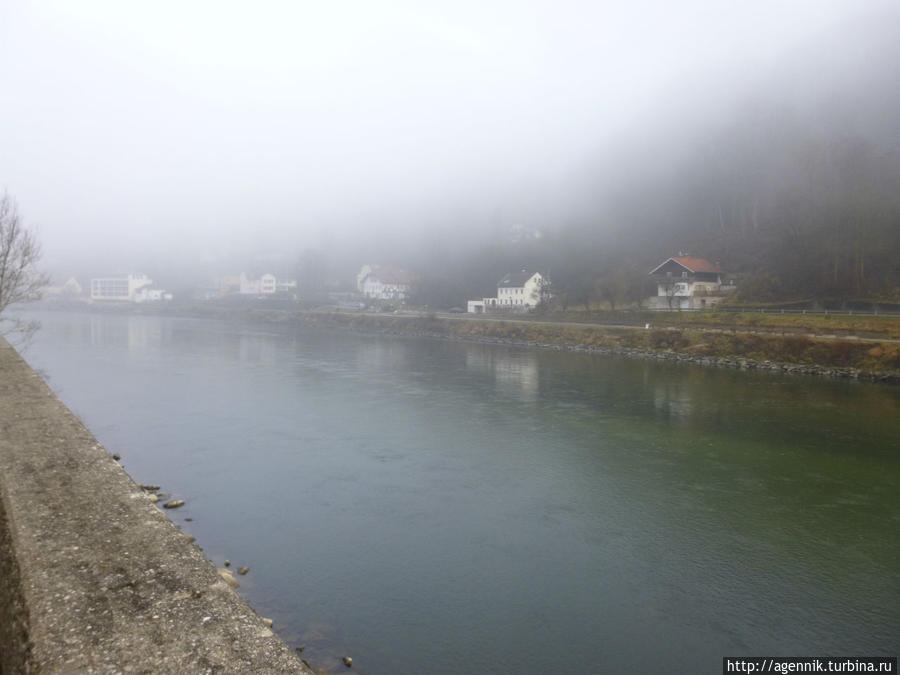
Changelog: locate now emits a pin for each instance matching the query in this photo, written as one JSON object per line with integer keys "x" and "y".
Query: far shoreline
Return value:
{"x": 868, "y": 360}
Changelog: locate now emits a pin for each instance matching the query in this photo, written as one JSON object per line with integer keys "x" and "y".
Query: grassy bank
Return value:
{"x": 884, "y": 326}
{"x": 870, "y": 358}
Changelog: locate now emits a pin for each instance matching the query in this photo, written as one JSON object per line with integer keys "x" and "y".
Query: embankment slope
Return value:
{"x": 95, "y": 578}
{"x": 787, "y": 352}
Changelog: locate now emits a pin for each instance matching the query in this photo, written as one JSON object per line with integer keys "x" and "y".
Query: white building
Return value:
{"x": 151, "y": 294}
{"x": 516, "y": 291}
{"x": 263, "y": 285}
{"x": 286, "y": 286}
{"x": 68, "y": 291}
{"x": 384, "y": 283}
{"x": 227, "y": 285}
{"x": 244, "y": 284}
{"x": 119, "y": 289}
{"x": 364, "y": 272}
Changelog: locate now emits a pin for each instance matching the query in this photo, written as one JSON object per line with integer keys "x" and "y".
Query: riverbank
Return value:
{"x": 811, "y": 324}
{"x": 396, "y": 498}
{"x": 95, "y": 577}
{"x": 863, "y": 348}
{"x": 795, "y": 354}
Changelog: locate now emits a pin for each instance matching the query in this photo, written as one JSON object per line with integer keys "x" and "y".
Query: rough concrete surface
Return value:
{"x": 93, "y": 577}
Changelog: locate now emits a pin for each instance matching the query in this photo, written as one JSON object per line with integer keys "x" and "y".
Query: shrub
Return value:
{"x": 794, "y": 347}
{"x": 667, "y": 339}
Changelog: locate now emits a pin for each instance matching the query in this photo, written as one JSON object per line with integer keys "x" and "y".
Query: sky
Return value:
{"x": 192, "y": 130}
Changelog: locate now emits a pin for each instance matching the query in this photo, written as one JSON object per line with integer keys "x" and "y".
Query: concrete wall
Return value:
{"x": 93, "y": 576}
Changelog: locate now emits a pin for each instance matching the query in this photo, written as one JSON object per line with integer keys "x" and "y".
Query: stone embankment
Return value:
{"x": 93, "y": 577}
{"x": 739, "y": 363}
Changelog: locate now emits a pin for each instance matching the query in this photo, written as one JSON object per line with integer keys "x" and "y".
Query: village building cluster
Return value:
{"x": 682, "y": 282}
{"x": 265, "y": 284}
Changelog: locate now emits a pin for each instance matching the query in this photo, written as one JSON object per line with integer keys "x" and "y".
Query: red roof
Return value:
{"x": 692, "y": 264}
{"x": 697, "y": 264}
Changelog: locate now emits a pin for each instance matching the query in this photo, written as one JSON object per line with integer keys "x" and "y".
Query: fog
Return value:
{"x": 204, "y": 136}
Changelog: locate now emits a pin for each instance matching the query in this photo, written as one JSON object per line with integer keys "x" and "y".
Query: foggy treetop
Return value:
{"x": 176, "y": 135}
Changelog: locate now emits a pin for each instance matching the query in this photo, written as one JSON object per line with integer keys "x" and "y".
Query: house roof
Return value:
{"x": 515, "y": 279}
{"x": 692, "y": 264}
{"x": 391, "y": 275}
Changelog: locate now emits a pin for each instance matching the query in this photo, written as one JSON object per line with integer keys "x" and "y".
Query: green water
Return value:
{"x": 439, "y": 507}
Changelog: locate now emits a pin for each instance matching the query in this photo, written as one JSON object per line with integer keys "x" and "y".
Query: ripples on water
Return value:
{"x": 442, "y": 507}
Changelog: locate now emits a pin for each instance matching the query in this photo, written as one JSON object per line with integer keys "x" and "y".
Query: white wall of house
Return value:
{"x": 384, "y": 283}
{"x": 147, "y": 294}
{"x": 249, "y": 286}
{"x": 374, "y": 288}
{"x": 686, "y": 294}
{"x": 482, "y": 305}
{"x": 286, "y": 286}
{"x": 267, "y": 284}
{"x": 361, "y": 277}
{"x": 118, "y": 289}
{"x": 526, "y": 296}
{"x": 687, "y": 288}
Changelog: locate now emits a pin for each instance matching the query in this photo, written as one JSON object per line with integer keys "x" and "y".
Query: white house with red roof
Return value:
{"x": 384, "y": 283}
{"x": 687, "y": 282}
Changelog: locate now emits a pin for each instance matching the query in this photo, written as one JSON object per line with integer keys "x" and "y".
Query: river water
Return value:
{"x": 439, "y": 507}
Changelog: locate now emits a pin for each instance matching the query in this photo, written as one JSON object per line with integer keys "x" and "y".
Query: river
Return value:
{"x": 428, "y": 506}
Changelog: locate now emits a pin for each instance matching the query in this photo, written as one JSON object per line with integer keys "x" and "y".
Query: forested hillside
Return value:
{"x": 791, "y": 181}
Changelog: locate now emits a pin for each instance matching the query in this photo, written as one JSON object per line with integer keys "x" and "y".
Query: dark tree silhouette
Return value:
{"x": 20, "y": 280}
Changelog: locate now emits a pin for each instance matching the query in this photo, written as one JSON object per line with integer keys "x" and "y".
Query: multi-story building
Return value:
{"x": 384, "y": 283}
{"x": 516, "y": 291}
{"x": 686, "y": 282}
{"x": 119, "y": 289}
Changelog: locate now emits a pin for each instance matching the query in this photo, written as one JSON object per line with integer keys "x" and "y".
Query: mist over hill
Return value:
{"x": 460, "y": 142}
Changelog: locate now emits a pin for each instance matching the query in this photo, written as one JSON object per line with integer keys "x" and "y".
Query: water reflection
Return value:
{"x": 376, "y": 353}
{"x": 258, "y": 349}
{"x": 673, "y": 399}
{"x": 515, "y": 373}
{"x": 135, "y": 334}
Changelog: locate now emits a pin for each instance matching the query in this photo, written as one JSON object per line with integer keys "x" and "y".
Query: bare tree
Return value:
{"x": 20, "y": 281}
